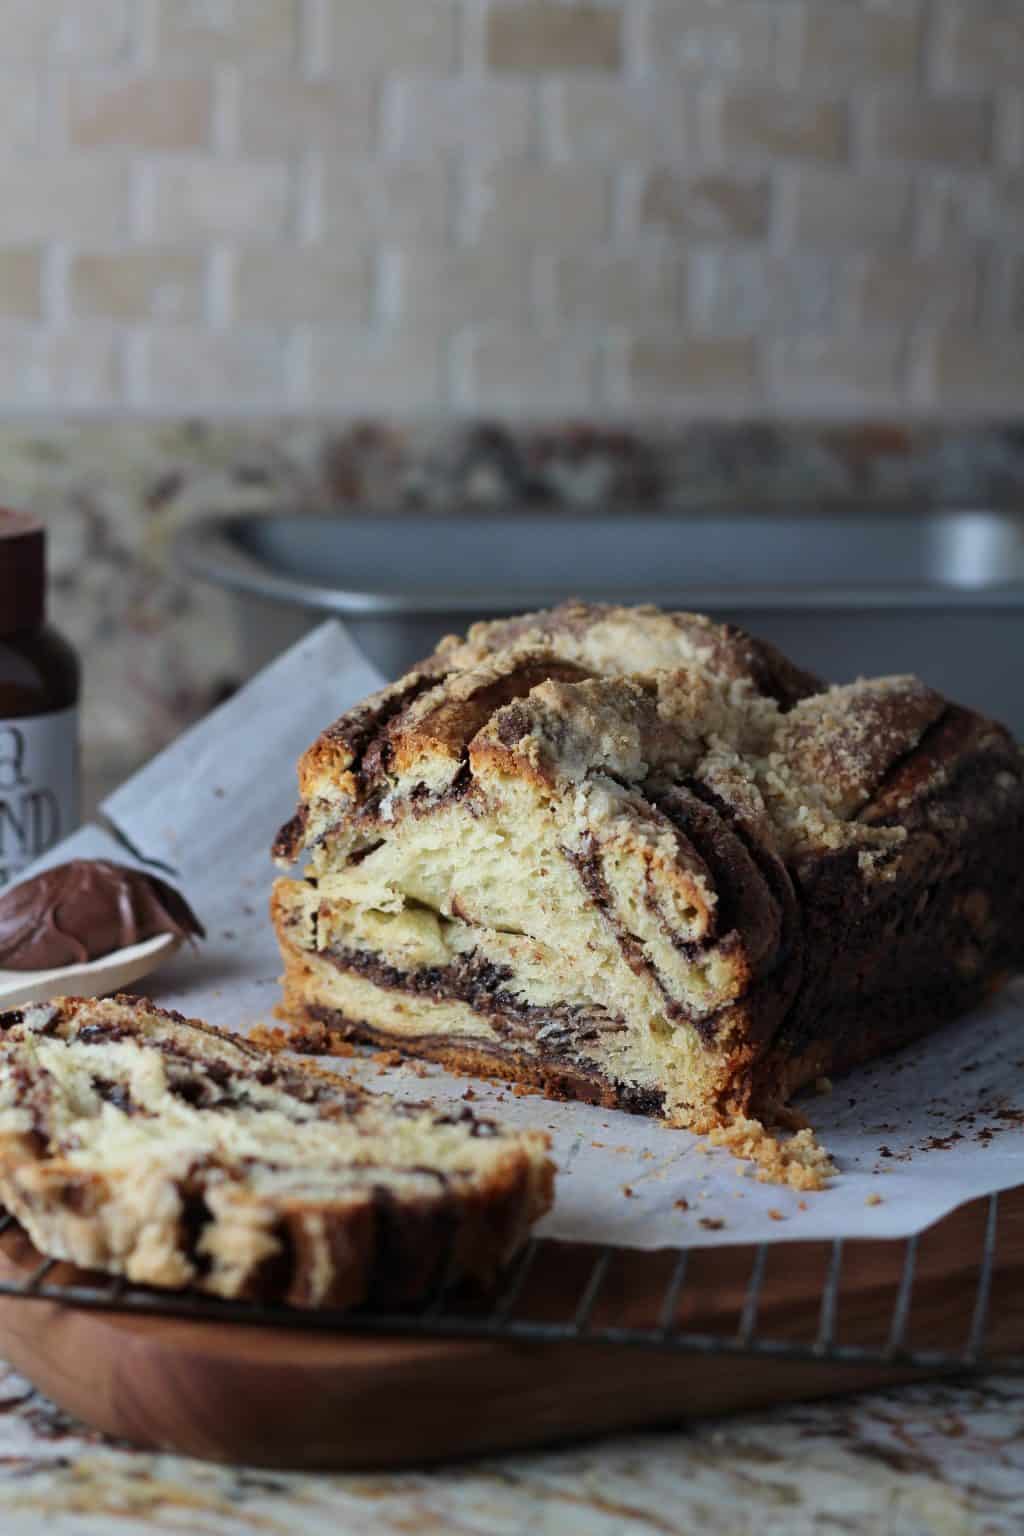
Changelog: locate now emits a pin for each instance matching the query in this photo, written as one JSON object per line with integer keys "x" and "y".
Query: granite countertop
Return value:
{"x": 935, "y": 1458}
{"x": 931, "y": 1460}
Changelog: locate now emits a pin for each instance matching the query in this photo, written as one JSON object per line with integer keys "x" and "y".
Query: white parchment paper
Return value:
{"x": 915, "y": 1135}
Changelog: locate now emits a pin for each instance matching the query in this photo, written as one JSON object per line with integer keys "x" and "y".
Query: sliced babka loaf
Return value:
{"x": 141, "y": 1142}
{"x": 641, "y": 858}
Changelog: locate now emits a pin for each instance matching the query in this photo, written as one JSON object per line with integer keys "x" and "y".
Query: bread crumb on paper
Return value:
{"x": 309, "y": 1039}
{"x": 872, "y": 1199}
{"x": 711, "y": 1223}
{"x": 270, "y": 1037}
{"x": 801, "y": 1161}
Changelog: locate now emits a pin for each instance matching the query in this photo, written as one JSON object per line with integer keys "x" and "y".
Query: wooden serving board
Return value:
{"x": 290, "y": 1398}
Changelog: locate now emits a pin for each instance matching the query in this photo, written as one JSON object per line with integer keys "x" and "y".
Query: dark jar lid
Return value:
{"x": 22, "y": 572}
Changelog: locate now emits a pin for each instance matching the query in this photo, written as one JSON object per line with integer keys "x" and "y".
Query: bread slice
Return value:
{"x": 641, "y": 858}
{"x": 141, "y": 1142}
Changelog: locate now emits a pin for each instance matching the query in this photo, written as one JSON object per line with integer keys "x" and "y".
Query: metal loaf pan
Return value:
{"x": 847, "y": 594}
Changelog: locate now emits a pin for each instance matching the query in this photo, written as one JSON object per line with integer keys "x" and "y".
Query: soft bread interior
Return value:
{"x": 173, "y": 1153}
{"x": 573, "y": 910}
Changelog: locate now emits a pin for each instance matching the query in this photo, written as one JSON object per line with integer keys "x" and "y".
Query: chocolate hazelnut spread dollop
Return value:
{"x": 87, "y": 908}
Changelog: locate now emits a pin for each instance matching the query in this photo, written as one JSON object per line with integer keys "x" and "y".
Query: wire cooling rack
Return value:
{"x": 587, "y": 1316}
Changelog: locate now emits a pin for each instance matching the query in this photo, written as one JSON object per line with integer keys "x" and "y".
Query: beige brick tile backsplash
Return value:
{"x": 1009, "y": 126}
{"x": 713, "y": 373}
{"x": 984, "y": 214}
{"x": 365, "y": 199}
{"x": 821, "y": 374}
{"x": 394, "y": 370}
{"x": 1003, "y": 201}
{"x": 485, "y": 119}
{"x": 27, "y": 31}
{"x": 894, "y": 290}
{"x": 20, "y": 110}
{"x": 523, "y": 201}
{"x": 98, "y": 31}
{"x": 944, "y": 131}
{"x": 138, "y": 283}
{"x": 1015, "y": 294}
{"x": 139, "y": 112}
{"x": 280, "y": 114}
{"x": 605, "y": 287}
{"x": 196, "y": 198}
{"x": 755, "y": 120}
{"x": 462, "y": 285}
{"x": 847, "y": 208}
{"x": 963, "y": 372}
{"x": 373, "y": 37}
{"x": 511, "y": 371}
{"x": 597, "y": 119}
{"x": 746, "y": 291}
{"x": 955, "y": 212}
{"x": 205, "y": 34}
{"x": 979, "y": 43}
{"x": 540, "y": 36}
{"x": 853, "y": 44}
{"x": 556, "y": 206}
{"x": 69, "y": 196}
{"x": 40, "y": 368}
{"x": 712, "y": 205}
{"x": 729, "y": 39}
{"x": 236, "y": 370}
{"x": 281, "y": 284}
{"x": 21, "y": 282}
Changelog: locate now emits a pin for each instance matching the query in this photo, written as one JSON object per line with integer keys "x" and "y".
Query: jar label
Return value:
{"x": 38, "y": 787}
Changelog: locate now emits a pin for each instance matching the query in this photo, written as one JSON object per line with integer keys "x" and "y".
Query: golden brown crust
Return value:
{"x": 847, "y": 740}
{"x": 446, "y": 699}
{"x": 440, "y": 723}
{"x": 641, "y": 639}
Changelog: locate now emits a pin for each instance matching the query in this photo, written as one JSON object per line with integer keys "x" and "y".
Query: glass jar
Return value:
{"x": 39, "y": 683}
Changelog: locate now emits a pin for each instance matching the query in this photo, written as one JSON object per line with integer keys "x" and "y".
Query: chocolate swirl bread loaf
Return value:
{"x": 641, "y": 858}
{"x": 141, "y": 1142}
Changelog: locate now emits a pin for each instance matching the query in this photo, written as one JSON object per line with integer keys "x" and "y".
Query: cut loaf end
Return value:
{"x": 640, "y": 858}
